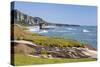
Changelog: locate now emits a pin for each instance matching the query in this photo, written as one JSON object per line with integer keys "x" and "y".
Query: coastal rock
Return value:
{"x": 27, "y": 47}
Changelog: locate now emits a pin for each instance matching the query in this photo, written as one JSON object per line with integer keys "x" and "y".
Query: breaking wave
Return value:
{"x": 70, "y": 28}
{"x": 43, "y": 31}
{"x": 84, "y": 30}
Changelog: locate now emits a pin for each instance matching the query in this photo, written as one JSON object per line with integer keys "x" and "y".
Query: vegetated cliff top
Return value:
{"x": 21, "y": 34}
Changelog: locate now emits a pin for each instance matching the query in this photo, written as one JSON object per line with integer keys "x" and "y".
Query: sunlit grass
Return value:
{"x": 20, "y": 59}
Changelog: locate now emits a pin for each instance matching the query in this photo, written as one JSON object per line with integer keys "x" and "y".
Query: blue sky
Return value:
{"x": 60, "y": 13}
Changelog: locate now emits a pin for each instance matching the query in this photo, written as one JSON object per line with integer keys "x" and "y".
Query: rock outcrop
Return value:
{"x": 29, "y": 48}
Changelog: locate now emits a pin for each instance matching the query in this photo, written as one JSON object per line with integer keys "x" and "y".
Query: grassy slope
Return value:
{"x": 27, "y": 60}
{"x": 20, "y": 33}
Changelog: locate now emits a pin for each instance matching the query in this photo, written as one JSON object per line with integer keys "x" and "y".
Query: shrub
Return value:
{"x": 43, "y": 51}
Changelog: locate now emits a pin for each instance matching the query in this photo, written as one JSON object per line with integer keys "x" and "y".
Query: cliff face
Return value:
{"x": 24, "y": 19}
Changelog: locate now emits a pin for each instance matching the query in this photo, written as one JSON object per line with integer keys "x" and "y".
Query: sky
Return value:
{"x": 60, "y": 13}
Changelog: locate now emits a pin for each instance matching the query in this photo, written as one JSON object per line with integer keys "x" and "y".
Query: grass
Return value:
{"x": 21, "y": 34}
{"x": 20, "y": 60}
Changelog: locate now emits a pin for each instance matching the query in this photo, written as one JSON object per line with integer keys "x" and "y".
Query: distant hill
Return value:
{"x": 24, "y": 19}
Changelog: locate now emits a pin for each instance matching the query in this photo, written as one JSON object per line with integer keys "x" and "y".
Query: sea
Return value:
{"x": 84, "y": 34}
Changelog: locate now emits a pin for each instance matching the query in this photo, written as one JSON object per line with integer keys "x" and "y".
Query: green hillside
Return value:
{"x": 21, "y": 33}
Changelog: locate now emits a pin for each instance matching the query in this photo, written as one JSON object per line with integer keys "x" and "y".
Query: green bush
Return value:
{"x": 43, "y": 51}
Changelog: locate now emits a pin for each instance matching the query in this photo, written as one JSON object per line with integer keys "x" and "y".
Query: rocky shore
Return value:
{"x": 29, "y": 48}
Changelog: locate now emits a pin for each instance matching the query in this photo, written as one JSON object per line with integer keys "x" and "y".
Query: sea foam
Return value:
{"x": 70, "y": 28}
{"x": 43, "y": 31}
{"x": 84, "y": 30}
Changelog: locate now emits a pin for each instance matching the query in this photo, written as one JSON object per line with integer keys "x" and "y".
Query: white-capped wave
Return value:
{"x": 43, "y": 31}
{"x": 62, "y": 31}
{"x": 34, "y": 29}
{"x": 84, "y": 30}
{"x": 59, "y": 31}
{"x": 70, "y": 28}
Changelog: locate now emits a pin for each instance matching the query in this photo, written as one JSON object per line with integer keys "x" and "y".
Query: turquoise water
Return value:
{"x": 84, "y": 34}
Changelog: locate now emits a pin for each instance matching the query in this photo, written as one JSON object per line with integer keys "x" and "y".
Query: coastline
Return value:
{"x": 73, "y": 33}
{"x": 91, "y": 51}
{"x": 37, "y": 46}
